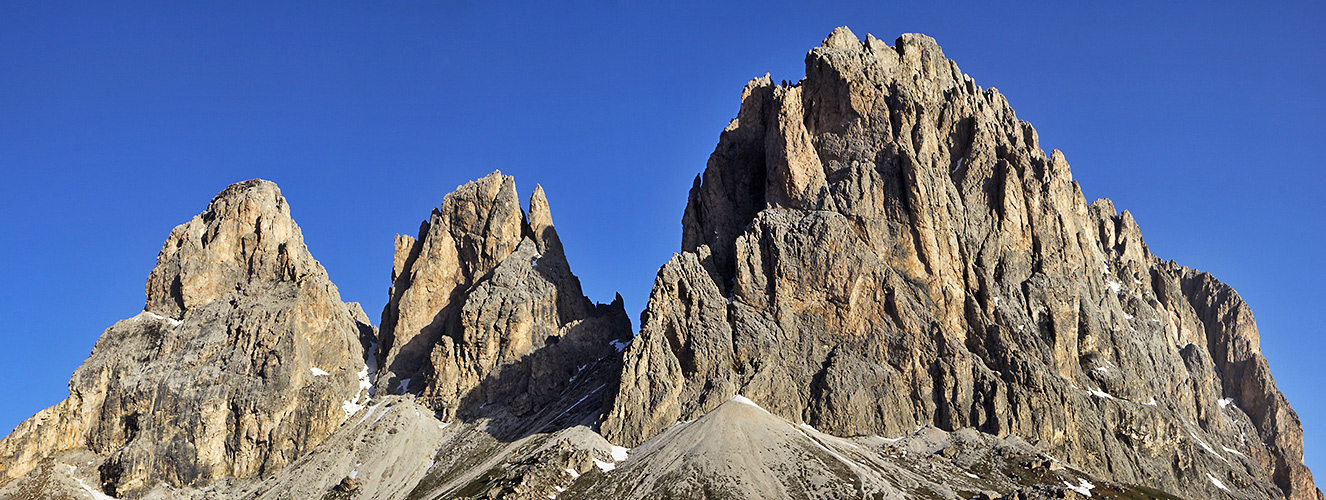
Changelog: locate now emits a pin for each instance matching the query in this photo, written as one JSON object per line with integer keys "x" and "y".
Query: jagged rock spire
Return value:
{"x": 484, "y": 307}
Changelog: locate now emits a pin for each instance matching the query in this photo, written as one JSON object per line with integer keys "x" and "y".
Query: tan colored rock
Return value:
{"x": 475, "y": 228}
{"x": 484, "y": 307}
{"x": 239, "y": 365}
{"x": 540, "y": 223}
{"x": 884, "y": 245}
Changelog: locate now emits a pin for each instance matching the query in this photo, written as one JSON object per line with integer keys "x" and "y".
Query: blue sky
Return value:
{"x": 120, "y": 121}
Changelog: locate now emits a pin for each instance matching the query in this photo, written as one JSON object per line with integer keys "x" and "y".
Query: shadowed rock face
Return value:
{"x": 239, "y": 364}
{"x": 484, "y": 308}
{"x": 884, "y": 245}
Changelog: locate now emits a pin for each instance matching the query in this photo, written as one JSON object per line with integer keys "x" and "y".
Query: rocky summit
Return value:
{"x": 243, "y": 359}
{"x": 886, "y": 289}
{"x": 884, "y": 245}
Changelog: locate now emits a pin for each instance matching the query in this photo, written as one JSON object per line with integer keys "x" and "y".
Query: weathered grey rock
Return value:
{"x": 740, "y": 451}
{"x": 240, "y": 363}
{"x": 384, "y": 450}
{"x": 532, "y": 456}
{"x": 884, "y": 245}
{"x": 484, "y": 308}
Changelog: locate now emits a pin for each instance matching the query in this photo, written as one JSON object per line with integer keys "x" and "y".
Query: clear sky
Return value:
{"x": 119, "y": 121}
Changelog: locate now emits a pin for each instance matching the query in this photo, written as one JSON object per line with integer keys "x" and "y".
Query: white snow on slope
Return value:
{"x": 351, "y": 408}
{"x": 318, "y": 372}
{"x": 1207, "y": 447}
{"x": 619, "y": 453}
{"x": 96, "y": 494}
{"x": 1114, "y": 286}
{"x": 1216, "y": 482}
{"x": 1099, "y": 393}
{"x": 1084, "y": 487}
{"x": 744, "y": 400}
{"x": 151, "y": 315}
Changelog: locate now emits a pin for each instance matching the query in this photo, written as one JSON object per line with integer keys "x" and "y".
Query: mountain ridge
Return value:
{"x": 879, "y": 249}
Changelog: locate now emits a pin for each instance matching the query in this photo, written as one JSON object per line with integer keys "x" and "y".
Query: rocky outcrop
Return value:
{"x": 884, "y": 245}
{"x": 241, "y": 362}
{"x": 484, "y": 308}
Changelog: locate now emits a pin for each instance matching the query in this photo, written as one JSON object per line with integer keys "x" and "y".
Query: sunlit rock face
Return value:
{"x": 484, "y": 308}
{"x": 242, "y": 361}
{"x": 884, "y": 245}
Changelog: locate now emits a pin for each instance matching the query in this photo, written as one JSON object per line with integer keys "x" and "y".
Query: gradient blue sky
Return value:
{"x": 119, "y": 121}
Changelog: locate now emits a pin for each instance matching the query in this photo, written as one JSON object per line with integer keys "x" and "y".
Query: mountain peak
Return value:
{"x": 884, "y": 245}
{"x": 245, "y": 235}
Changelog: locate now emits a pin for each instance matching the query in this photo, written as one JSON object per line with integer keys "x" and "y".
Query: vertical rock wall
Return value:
{"x": 885, "y": 245}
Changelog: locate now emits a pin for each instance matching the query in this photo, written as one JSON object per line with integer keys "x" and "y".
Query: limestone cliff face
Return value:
{"x": 884, "y": 245}
{"x": 240, "y": 363}
{"x": 484, "y": 308}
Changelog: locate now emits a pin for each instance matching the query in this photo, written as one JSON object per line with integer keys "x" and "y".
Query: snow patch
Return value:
{"x": 403, "y": 385}
{"x": 573, "y": 473}
{"x": 1207, "y": 447}
{"x": 1099, "y": 393}
{"x": 351, "y": 408}
{"x": 369, "y": 372}
{"x": 973, "y": 476}
{"x": 996, "y": 301}
{"x": 619, "y": 453}
{"x": 1114, "y": 286}
{"x": 619, "y": 345}
{"x": 1102, "y": 369}
{"x": 366, "y": 415}
{"x": 318, "y": 372}
{"x": 956, "y": 167}
{"x": 1216, "y": 482}
{"x": 154, "y": 316}
{"x": 1152, "y": 402}
{"x": 1225, "y": 402}
{"x": 1236, "y": 452}
{"x": 744, "y": 400}
{"x": 1084, "y": 487}
{"x": 96, "y": 494}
